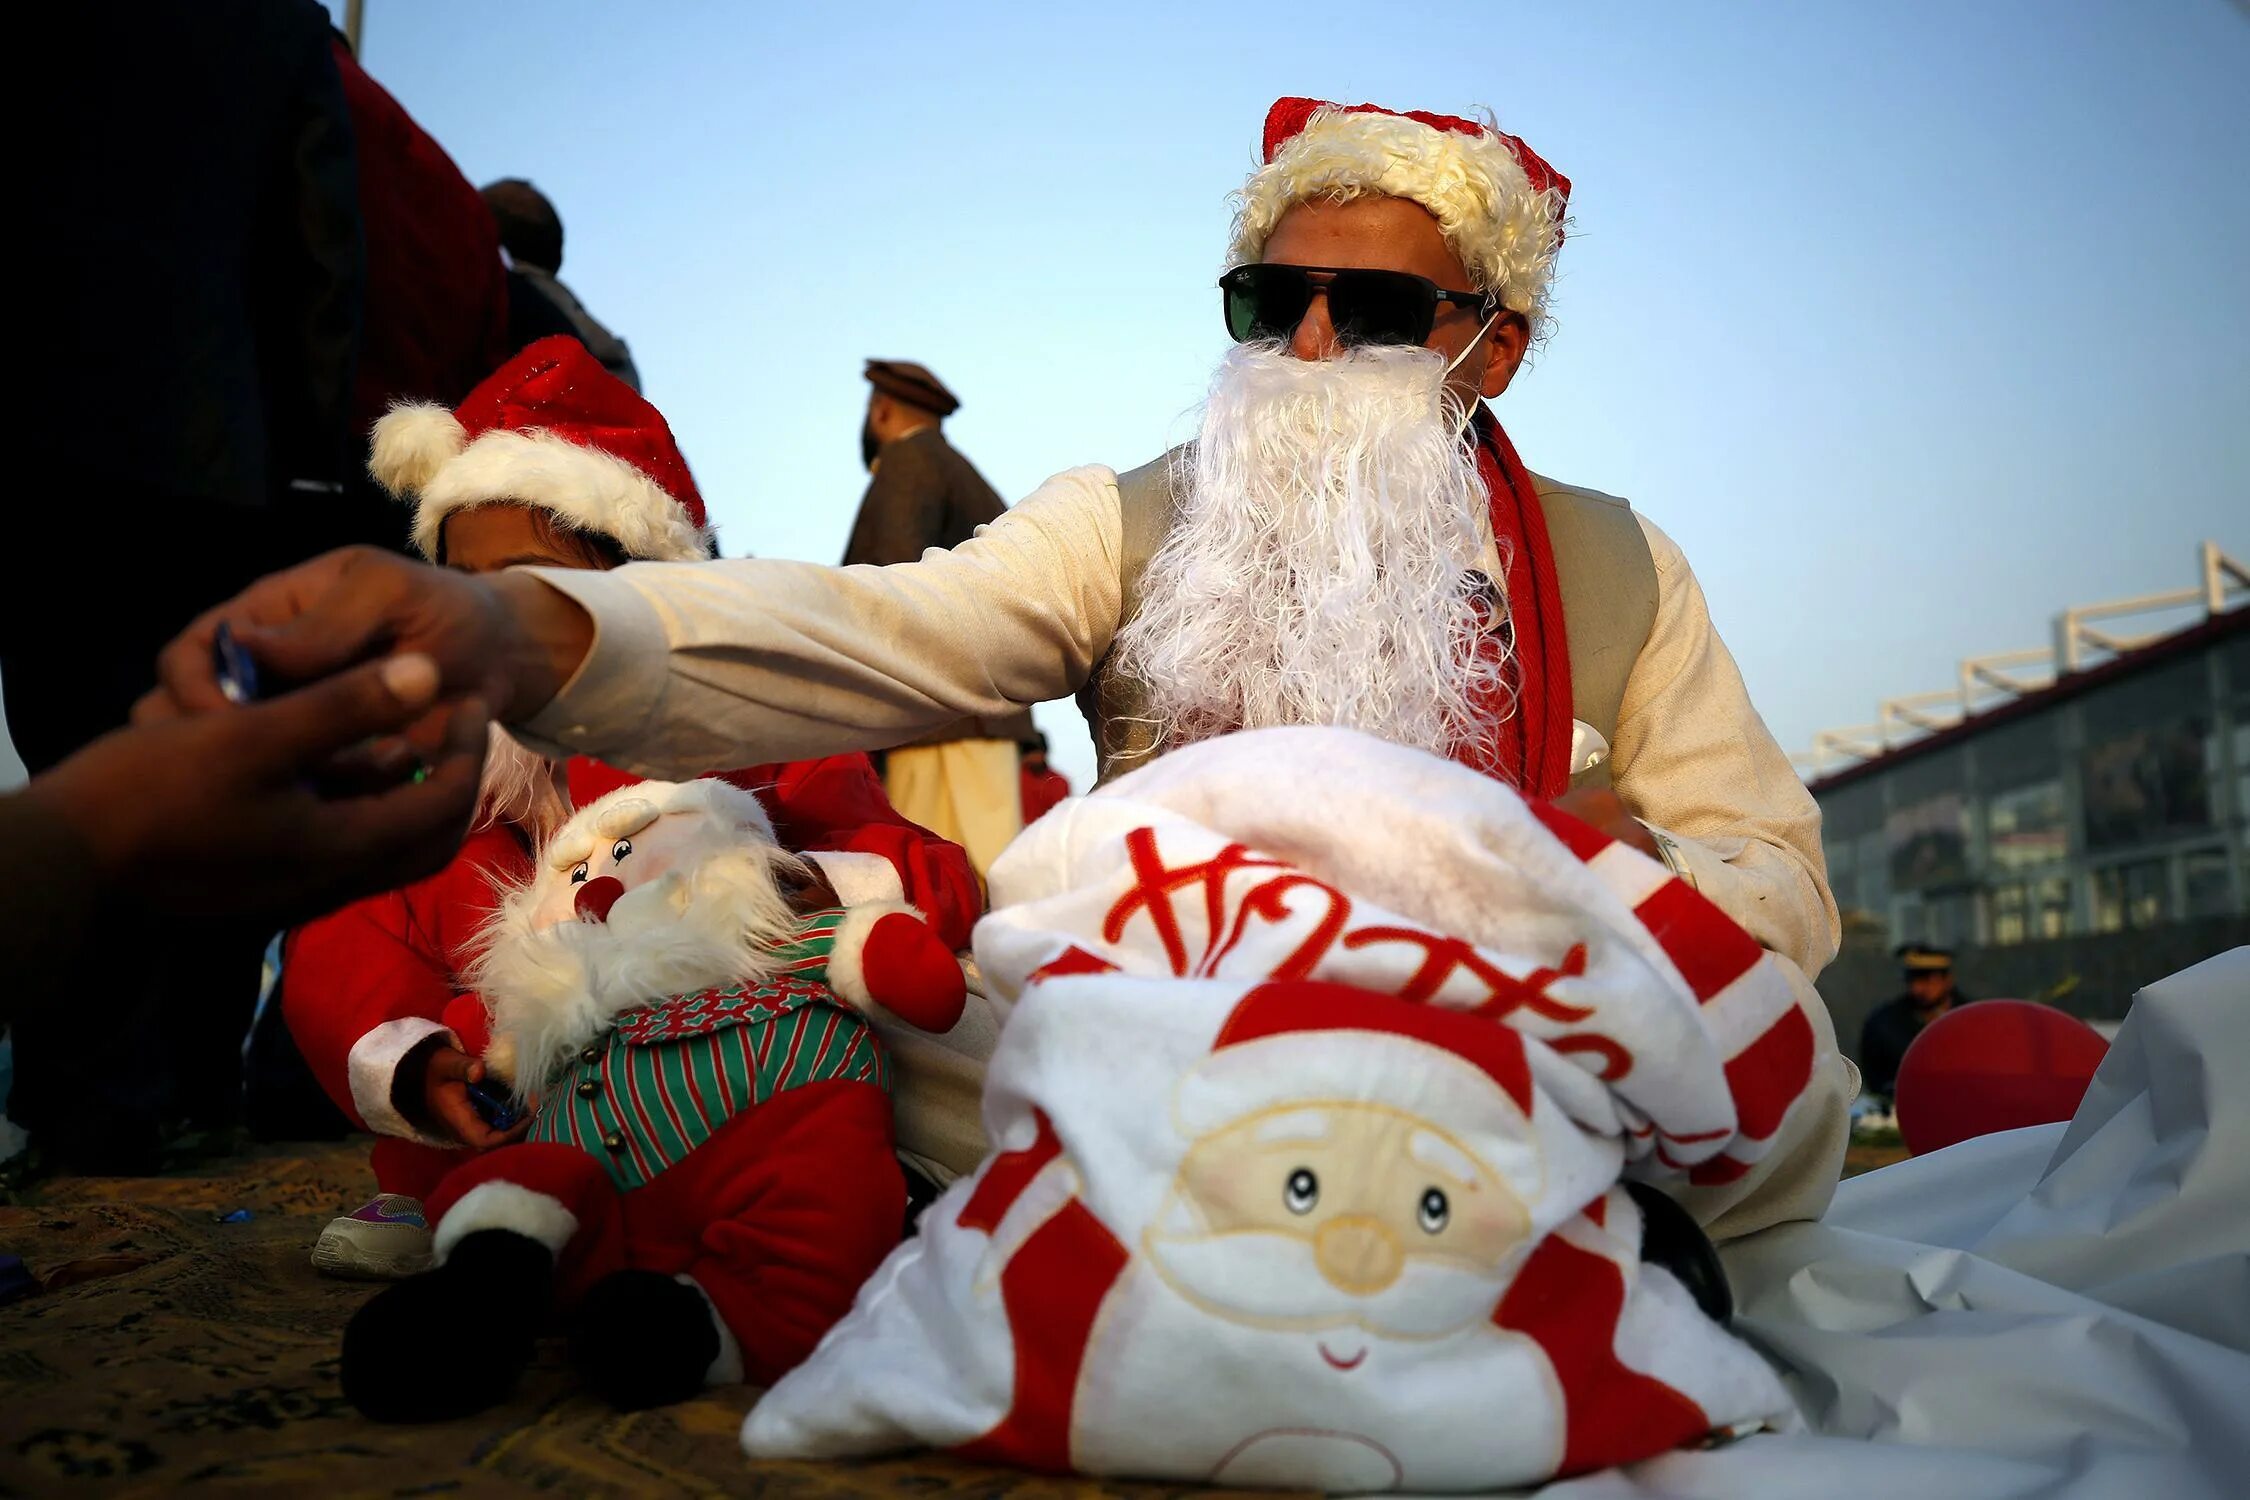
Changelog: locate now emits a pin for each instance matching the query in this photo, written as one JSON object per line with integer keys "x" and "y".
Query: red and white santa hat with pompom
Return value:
{"x": 553, "y": 430}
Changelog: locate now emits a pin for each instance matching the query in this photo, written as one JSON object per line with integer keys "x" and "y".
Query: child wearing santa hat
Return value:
{"x": 552, "y": 462}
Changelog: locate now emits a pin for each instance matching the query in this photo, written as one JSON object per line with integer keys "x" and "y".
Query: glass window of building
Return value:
{"x": 2207, "y": 880}
{"x": 2144, "y": 763}
{"x": 2019, "y": 767}
{"x": 2132, "y": 895}
{"x": 1851, "y": 830}
{"x": 2242, "y": 773}
{"x": 1926, "y": 832}
{"x": 2031, "y": 910}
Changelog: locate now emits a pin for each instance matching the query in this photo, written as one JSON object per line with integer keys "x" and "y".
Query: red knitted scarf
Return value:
{"x": 1530, "y": 745}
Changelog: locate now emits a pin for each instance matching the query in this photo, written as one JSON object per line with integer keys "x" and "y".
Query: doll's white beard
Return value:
{"x": 552, "y": 990}
{"x": 1315, "y": 571}
{"x": 520, "y": 788}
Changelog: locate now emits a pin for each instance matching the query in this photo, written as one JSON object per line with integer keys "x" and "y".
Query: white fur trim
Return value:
{"x": 411, "y": 442}
{"x": 373, "y": 1066}
{"x": 847, "y": 958}
{"x": 576, "y": 839}
{"x": 727, "y": 1368}
{"x": 1506, "y": 235}
{"x": 859, "y": 878}
{"x": 504, "y": 1205}
{"x": 583, "y": 487}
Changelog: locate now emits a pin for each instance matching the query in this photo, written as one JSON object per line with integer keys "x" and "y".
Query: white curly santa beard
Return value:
{"x": 520, "y": 788}
{"x": 1315, "y": 571}
{"x": 552, "y": 989}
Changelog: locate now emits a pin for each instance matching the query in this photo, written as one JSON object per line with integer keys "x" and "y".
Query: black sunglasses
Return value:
{"x": 1365, "y": 307}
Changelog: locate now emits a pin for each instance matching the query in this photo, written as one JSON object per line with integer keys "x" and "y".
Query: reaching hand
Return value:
{"x": 446, "y": 1074}
{"x": 508, "y": 639}
{"x": 227, "y": 813}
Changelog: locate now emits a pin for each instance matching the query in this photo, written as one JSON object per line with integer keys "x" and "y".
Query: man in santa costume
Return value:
{"x": 552, "y": 461}
{"x": 1351, "y": 540}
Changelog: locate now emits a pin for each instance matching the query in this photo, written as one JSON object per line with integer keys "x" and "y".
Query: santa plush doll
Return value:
{"x": 709, "y": 1171}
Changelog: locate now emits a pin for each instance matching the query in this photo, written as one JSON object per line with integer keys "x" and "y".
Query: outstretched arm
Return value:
{"x": 677, "y": 668}
{"x": 700, "y": 665}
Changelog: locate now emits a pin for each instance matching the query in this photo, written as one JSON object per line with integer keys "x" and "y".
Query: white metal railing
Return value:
{"x": 1984, "y": 681}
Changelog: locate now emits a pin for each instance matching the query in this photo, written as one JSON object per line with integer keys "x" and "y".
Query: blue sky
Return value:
{"x": 1912, "y": 322}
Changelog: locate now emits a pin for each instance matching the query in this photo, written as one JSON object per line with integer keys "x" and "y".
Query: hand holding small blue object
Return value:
{"x": 493, "y": 1103}
{"x": 237, "y": 672}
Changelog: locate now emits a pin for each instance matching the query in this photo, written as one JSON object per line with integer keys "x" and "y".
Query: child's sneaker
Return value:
{"x": 385, "y": 1240}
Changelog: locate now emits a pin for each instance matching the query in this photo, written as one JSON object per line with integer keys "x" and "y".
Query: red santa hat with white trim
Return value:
{"x": 553, "y": 430}
{"x": 1500, "y": 206}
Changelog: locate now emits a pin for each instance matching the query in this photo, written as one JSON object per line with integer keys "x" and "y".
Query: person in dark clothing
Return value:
{"x": 201, "y": 268}
{"x": 532, "y": 233}
{"x": 250, "y": 252}
{"x": 1892, "y": 1028}
{"x": 437, "y": 301}
{"x": 961, "y": 782}
{"x": 924, "y": 493}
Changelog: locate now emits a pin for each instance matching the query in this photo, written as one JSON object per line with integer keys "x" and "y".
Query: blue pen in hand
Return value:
{"x": 238, "y": 674}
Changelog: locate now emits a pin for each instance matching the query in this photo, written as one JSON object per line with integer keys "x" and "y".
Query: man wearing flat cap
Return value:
{"x": 960, "y": 781}
{"x": 1892, "y": 1028}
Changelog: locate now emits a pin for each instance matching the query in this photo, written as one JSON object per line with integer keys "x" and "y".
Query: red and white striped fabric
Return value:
{"x": 1325, "y": 1061}
{"x": 1330, "y": 855}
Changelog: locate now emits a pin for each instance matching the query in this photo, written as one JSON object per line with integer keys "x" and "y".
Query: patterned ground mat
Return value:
{"x": 171, "y": 1351}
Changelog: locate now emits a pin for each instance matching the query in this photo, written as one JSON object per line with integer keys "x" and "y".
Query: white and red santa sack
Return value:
{"x": 1326, "y": 1061}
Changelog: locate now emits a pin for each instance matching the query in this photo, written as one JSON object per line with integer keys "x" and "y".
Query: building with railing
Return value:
{"x": 2073, "y": 821}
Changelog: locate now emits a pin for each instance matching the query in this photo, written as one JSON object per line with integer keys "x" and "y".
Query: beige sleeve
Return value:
{"x": 1695, "y": 763}
{"x": 702, "y": 665}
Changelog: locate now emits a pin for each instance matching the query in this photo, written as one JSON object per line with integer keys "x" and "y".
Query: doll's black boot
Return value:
{"x": 451, "y": 1341}
{"x": 642, "y": 1339}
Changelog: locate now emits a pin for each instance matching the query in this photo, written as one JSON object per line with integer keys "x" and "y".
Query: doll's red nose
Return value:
{"x": 597, "y": 896}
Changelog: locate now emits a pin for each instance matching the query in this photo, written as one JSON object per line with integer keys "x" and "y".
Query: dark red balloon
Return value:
{"x": 1993, "y": 1065}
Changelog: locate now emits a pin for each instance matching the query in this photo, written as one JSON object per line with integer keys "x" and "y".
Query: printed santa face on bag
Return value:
{"x": 1310, "y": 1133}
{"x": 1336, "y": 1215}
